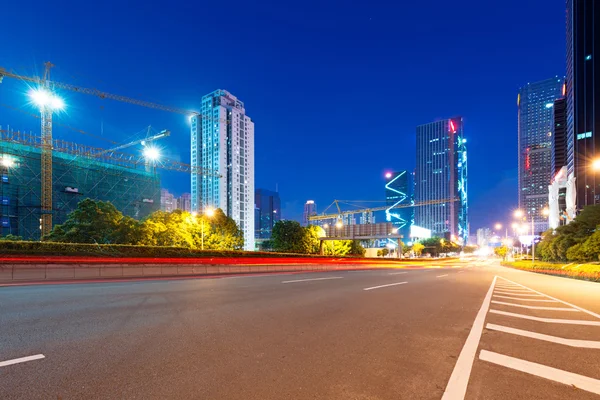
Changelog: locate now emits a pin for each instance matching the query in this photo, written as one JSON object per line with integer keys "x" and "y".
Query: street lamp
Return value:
{"x": 7, "y": 162}
{"x": 596, "y": 164}
{"x": 45, "y": 99}
{"x": 339, "y": 224}
{"x": 209, "y": 212}
{"x": 498, "y": 226}
{"x": 151, "y": 153}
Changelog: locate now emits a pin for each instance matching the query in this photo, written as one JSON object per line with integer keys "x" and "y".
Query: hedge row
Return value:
{"x": 121, "y": 250}
{"x": 590, "y": 272}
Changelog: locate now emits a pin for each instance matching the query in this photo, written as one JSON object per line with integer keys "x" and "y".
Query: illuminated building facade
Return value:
{"x": 222, "y": 139}
{"x": 397, "y": 192}
{"x": 310, "y": 209}
{"x": 535, "y": 103}
{"x": 583, "y": 98}
{"x": 268, "y": 212}
{"x": 441, "y": 176}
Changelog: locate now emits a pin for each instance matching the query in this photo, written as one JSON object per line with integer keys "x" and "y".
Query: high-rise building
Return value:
{"x": 184, "y": 202}
{"x": 441, "y": 175}
{"x": 310, "y": 209}
{"x": 167, "y": 201}
{"x": 267, "y": 212}
{"x": 397, "y": 192}
{"x": 483, "y": 236}
{"x": 583, "y": 98}
{"x": 222, "y": 139}
{"x": 559, "y": 135}
{"x": 535, "y": 103}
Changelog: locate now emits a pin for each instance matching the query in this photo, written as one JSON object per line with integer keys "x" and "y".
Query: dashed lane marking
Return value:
{"x": 382, "y": 286}
{"x": 518, "y": 293}
{"x": 21, "y": 360}
{"x": 398, "y": 273}
{"x": 554, "y": 374}
{"x": 314, "y": 279}
{"x": 441, "y": 276}
{"x": 587, "y": 344}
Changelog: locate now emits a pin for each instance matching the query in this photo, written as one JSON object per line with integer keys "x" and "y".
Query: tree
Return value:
{"x": 224, "y": 234}
{"x": 91, "y": 222}
{"x": 418, "y": 248}
{"x": 310, "y": 239}
{"x": 501, "y": 251}
{"x": 337, "y": 247}
{"x": 356, "y": 249}
{"x": 288, "y": 237}
{"x": 11, "y": 237}
{"x": 383, "y": 252}
{"x": 169, "y": 229}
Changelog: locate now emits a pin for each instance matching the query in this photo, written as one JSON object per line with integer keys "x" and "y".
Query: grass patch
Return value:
{"x": 587, "y": 271}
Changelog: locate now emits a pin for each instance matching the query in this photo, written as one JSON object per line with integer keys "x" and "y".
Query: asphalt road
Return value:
{"x": 466, "y": 330}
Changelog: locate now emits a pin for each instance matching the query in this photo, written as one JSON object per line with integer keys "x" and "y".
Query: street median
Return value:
{"x": 588, "y": 272}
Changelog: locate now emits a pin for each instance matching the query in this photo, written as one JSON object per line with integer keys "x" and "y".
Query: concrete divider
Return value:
{"x": 60, "y": 272}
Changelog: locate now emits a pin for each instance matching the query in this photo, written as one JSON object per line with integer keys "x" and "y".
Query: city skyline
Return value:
{"x": 432, "y": 94}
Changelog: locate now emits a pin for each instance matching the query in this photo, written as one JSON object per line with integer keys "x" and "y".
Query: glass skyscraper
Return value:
{"x": 441, "y": 179}
{"x": 268, "y": 212}
{"x": 397, "y": 192}
{"x": 535, "y": 103}
{"x": 222, "y": 139}
{"x": 583, "y": 97}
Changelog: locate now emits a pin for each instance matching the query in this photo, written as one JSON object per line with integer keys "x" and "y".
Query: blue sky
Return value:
{"x": 335, "y": 88}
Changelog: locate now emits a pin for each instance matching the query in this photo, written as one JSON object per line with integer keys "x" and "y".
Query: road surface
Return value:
{"x": 468, "y": 330}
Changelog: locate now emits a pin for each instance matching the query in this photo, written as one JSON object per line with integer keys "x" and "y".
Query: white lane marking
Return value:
{"x": 535, "y": 307}
{"x": 397, "y": 273}
{"x": 381, "y": 286}
{"x": 518, "y": 293}
{"x": 553, "y": 374}
{"x": 457, "y": 385}
{"x": 441, "y": 276}
{"x": 21, "y": 360}
{"x": 587, "y": 344}
{"x": 314, "y": 279}
{"x": 524, "y": 299}
{"x": 554, "y": 298}
{"x": 512, "y": 289}
{"x": 460, "y": 272}
{"x": 547, "y": 320}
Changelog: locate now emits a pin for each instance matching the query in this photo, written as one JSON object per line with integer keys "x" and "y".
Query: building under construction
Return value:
{"x": 78, "y": 172}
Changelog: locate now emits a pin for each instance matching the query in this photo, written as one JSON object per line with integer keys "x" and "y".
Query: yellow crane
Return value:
{"x": 48, "y": 103}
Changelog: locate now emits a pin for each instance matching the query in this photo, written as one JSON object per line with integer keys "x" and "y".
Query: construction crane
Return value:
{"x": 341, "y": 213}
{"x": 46, "y": 107}
{"x": 143, "y": 142}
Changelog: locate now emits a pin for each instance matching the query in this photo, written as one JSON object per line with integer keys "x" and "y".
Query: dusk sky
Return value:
{"x": 335, "y": 88}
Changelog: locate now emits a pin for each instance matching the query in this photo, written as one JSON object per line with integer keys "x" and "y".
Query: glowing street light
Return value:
{"x": 388, "y": 175}
{"x": 326, "y": 226}
{"x": 519, "y": 213}
{"x": 498, "y": 226}
{"x": 339, "y": 224}
{"x": 545, "y": 212}
{"x": 596, "y": 164}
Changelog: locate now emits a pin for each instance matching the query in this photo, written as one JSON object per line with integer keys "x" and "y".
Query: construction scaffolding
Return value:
{"x": 79, "y": 172}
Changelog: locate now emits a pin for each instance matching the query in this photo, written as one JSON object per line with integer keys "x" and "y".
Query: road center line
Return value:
{"x": 21, "y": 360}
{"x": 547, "y": 320}
{"x": 553, "y": 374}
{"x": 398, "y": 273}
{"x": 441, "y": 276}
{"x": 314, "y": 279}
{"x": 524, "y": 299}
{"x": 535, "y": 307}
{"x": 457, "y": 385}
{"x": 586, "y": 344}
{"x": 382, "y": 286}
{"x": 553, "y": 298}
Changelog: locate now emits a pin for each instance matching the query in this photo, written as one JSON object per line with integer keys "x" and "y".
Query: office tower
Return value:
{"x": 310, "y": 209}
{"x": 483, "y": 236}
{"x": 222, "y": 139}
{"x": 583, "y": 98}
{"x": 535, "y": 105}
{"x": 167, "y": 201}
{"x": 268, "y": 212}
{"x": 397, "y": 193}
{"x": 441, "y": 179}
{"x": 185, "y": 202}
{"x": 559, "y": 135}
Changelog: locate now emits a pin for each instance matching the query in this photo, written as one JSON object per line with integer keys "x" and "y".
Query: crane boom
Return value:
{"x": 374, "y": 209}
{"x": 149, "y": 139}
{"x": 95, "y": 92}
